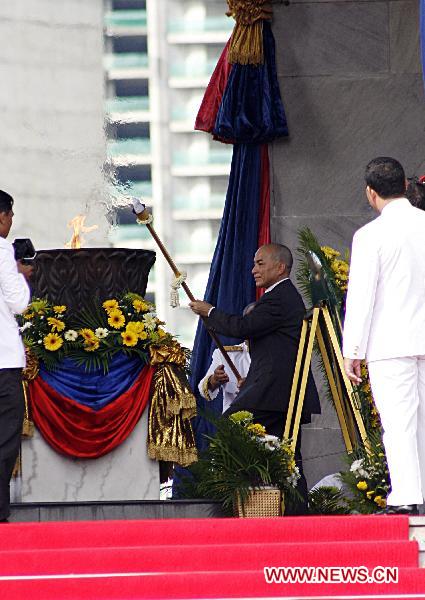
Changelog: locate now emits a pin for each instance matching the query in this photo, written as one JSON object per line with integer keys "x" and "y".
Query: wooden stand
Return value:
{"x": 318, "y": 325}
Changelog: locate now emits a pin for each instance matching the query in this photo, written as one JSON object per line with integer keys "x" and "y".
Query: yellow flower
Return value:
{"x": 88, "y": 335}
{"x": 116, "y": 319}
{"x": 52, "y": 342}
{"x": 329, "y": 252}
{"x": 140, "y": 305}
{"x": 56, "y": 324}
{"x": 28, "y": 315}
{"x": 59, "y": 309}
{"x": 241, "y": 415}
{"x": 362, "y": 486}
{"x": 143, "y": 335}
{"x": 380, "y": 501}
{"x": 136, "y": 326}
{"x": 256, "y": 429}
{"x": 129, "y": 338}
{"x": 109, "y": 305}
{"x": 161, "y": 332}
{"x": 90, "y": 345}
{"x": 370, "y": 493}
{"x": 291, "y": 466}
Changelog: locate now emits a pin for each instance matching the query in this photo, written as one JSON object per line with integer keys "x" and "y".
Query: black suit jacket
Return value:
{"x": 273, "y": 328}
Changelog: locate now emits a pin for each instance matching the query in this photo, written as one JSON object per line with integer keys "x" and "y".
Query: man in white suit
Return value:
{"x": 385, "y": 323}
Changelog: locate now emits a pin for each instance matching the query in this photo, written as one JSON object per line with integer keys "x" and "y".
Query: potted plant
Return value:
{"x": 245, "y": 469}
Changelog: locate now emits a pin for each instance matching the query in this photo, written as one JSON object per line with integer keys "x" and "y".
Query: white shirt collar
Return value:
{"x": 269, "y": 289}
{"x": 396, "y": 203}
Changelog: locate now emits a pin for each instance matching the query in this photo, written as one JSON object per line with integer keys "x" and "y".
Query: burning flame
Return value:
{"x": 77, "y": 224}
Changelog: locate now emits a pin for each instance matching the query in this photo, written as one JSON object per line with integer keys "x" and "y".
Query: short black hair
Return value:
{"x": 6, "y": 202}
{"x": 386, "y": 177}
{"x": 415, "y": 192}
{"x": 282, "y": 254}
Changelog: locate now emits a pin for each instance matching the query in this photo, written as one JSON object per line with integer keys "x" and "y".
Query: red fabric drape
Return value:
{"x": 264, "y": 210}
{"x": 78, "y": 431}
{"x": 208, "y": 110}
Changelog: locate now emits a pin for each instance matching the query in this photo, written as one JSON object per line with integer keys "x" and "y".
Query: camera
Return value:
{"x": 24, "y": 249}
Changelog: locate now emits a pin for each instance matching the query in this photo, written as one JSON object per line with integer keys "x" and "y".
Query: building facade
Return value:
{"x": 159, "y": 56}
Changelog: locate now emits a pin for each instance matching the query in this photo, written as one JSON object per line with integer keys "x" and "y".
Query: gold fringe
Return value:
{"x": 246, "y": 44}
{"x": 183, "y": 457}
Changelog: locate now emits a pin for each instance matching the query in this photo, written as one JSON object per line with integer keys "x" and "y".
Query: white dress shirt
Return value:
{"x": 14, "y": 298}
{"x": 242, "y": 361}
{"x": 385, "y": 309}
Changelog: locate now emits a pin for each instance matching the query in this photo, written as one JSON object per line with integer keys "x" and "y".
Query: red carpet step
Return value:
{"x": 207, "y": 558}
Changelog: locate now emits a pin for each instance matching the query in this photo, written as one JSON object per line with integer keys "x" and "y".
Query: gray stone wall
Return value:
{"x": 350, "y": 80}
{"x": 52, "y": 142}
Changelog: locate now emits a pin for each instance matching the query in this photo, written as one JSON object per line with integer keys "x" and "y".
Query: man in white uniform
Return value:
{"x": 14, "y": 298}
{"x": 385, "y": 323}
{"x": 218, "y": 376}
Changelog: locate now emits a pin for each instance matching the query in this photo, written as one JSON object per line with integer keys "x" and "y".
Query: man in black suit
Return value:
{"x": 273, "y": 328}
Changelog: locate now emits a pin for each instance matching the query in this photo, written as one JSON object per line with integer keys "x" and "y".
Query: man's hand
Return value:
{"x": 218, "y": 378}
{"x": 352, "y": 369}
{"x": 26, "y": 270}
{"x": 241, "y": 382}
{"x": 200, "y": 307}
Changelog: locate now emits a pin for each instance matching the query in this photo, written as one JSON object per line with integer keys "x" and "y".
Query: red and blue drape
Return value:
{"x": 87, "y": 414}
{"x": 242, "y": 106}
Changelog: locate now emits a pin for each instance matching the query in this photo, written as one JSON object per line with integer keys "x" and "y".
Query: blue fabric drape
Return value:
{"x": 230, "y": 285}
{"x": 251, "y": 110}
{"x": 94, "y": 389}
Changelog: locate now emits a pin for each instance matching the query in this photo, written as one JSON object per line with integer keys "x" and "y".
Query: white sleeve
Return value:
{"x": 363, "y": 279}
{"x": 13, "y": 285}
{"x": 202, "y": 386}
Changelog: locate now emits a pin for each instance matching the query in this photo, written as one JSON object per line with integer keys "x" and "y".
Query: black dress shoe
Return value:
{"x": 403, "y": 509}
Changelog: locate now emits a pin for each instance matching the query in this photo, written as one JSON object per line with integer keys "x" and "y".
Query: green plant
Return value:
{"x": 327, "y": 500}
{"x": 241, "y": 456}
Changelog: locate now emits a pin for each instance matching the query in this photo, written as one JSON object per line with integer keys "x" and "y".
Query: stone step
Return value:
{"x": 114, "y": 510}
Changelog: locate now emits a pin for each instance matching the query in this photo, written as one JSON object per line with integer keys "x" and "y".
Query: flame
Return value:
{"x": 77, "y": 224}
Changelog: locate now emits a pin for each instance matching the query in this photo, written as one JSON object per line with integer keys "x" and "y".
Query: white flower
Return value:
{"x": 101, "y": 332}
{"x": 149, "y": 320}
{"x": 271, "y": 442}
{"x": 293, "y": 478}
{"x": 357, "y": 469}
{"x": 70, "y": 335}
{"x": 25, "y": 326}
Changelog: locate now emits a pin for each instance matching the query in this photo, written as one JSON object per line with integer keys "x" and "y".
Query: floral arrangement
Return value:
{"x": 367, "y": 479}
{"x": 369, "y": 483}
{"x": 92, "y": 337}
{"x": 242, "y": 456}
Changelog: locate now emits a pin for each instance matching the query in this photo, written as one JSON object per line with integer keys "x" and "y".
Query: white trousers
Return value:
{"x": 398, "y": 387}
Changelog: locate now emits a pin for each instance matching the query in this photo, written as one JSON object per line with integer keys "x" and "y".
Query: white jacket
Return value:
{"x": 385, "y": 310}
{"x": 14, "y": 298}
{"x": 239, "y": 355}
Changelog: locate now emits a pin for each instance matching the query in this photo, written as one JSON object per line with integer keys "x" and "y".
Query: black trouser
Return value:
{"x": 274, "y": 422}
{"x": 12, "y": 407}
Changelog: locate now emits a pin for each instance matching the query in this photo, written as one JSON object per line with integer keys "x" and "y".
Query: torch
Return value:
{"x": 145, "y": 218}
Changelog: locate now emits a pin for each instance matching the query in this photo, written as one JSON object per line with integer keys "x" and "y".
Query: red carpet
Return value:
{"x": 204, "y": 558}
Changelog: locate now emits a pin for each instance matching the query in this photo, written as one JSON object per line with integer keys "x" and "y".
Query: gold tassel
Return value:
{"x": 246, "y": 44}
{"x": 170, "y": 433}
{"x": 27, "y": 425}
{"x": 17, "y": 469}
{"x": 29, "y": 373}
